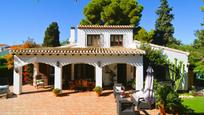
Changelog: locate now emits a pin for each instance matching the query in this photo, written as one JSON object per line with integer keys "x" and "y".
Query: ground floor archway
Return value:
{"x": 77, "y": 72}
{"x": 118, "y": 73}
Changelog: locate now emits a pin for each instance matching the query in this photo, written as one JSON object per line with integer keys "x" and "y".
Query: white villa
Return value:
{"x": 102, "y": 54}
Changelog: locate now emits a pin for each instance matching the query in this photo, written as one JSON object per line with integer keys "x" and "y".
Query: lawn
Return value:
{"x": 196, "y": 103}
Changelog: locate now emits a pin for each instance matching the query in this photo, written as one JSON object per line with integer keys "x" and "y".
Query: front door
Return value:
{"x": 66, "y": 75}
{"x": 122, "y": 74}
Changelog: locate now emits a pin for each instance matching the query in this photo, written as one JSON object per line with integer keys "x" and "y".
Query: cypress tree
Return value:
{"x": 164, "y": 28}
{"x": 51, "y": 38}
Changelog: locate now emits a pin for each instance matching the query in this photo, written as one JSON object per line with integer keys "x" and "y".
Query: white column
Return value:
{"x": 17, "y": 80}
{"x": 35, "y": 72}
{"x": 72, "y": 71}
{"x": 98, "y": 75}
{"x": 58, "y": 77}
{"x": 139, "y": 77}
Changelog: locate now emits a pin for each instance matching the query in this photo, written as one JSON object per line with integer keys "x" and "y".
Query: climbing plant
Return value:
{"x": 159, "y": 62}
{"x": 156, "y": 59}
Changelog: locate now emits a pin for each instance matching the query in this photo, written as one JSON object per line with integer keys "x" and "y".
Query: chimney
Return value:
{"x": 72, "y": 35}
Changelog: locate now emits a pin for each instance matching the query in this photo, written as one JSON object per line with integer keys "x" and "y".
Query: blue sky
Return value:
{"x": 21, "y": 19}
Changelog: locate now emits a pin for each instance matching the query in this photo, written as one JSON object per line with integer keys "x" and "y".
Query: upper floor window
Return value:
{"x": 116, "y": 40}
{"x": 93, "y": 40}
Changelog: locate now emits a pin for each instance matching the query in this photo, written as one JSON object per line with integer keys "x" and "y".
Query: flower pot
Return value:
{"x": 162, "y": 110}
{"x": 98, "y": 93}
{"x": 55, "y": 94}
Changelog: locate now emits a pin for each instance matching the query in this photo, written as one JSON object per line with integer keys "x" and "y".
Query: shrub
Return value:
{"x": 6, "y": 75}
{"x": 167, "y": 96}
{"x": 98, "y": 89}
{"x": 56, "y": 91}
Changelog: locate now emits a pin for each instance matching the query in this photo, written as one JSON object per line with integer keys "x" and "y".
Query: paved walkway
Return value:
{"x": 43, "y": 102}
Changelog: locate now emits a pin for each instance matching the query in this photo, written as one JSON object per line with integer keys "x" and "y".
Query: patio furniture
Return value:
{"x": 144, "y": 99}
{"x": 81, "y": 84}
{"x": 39, "y": 82}
{"x": 85, "y": 83}
{"x": 118, "y": 89}
{"x": 124, "y": 107}
{"x": 4, "y": 90}
{"x": 72, "y": 85}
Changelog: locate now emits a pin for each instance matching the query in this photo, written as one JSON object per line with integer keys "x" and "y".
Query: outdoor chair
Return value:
{"x": 118, "y": 89}
{"x": 4, "y": 90}
{"x": 39, "y": 82}
{"x": 144, "y": 99}
{"x": 124, "y": 107}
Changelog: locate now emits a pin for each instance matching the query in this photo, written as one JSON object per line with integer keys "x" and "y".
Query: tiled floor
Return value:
{"x": 70, "y": 103}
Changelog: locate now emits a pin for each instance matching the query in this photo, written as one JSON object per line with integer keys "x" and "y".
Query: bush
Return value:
{"x": 2, "y": 61}
{"x": 166, "y": 95}
{"x": 6, "y": 75}
{"x": 56, "y": 91}
{"x": 98, "y": 89}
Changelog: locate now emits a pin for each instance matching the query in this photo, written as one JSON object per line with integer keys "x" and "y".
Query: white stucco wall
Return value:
{"x": 105, "y": 35}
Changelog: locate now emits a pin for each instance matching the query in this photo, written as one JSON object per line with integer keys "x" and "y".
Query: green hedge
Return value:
{"x": 6, "y": 76}
{"x": 2, "y": 61}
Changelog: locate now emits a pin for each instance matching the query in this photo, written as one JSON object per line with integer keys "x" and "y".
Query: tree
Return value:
{"x": 198, "y": 57}
{"x": 200, "y": 41}
{"x": 164, "y": 28}
{"x": 144, "y": 36}
{"x": 200, "y": 35}
{"x": 29, "y": 43}
{"x": 112, "y": 12}
{"x": 51, "y": 38}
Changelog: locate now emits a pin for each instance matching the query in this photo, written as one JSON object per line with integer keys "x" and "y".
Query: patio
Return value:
{"x": 42, "y": 102}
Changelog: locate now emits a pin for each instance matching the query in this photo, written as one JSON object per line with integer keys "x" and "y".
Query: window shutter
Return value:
{"x": 125, "y": 40}
{"x": 101, "y": 40}
{"x": 86, "y": 44}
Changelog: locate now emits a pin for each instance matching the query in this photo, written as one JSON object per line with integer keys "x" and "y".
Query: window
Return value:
{"x": 116, "y": 40}
{"x": 93, "y": 40}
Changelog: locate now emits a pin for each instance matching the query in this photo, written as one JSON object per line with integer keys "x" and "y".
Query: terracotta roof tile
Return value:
{"x": 105, "y": 27}
{"x": 3, "y": 45}
{"x": 83, "y": 51}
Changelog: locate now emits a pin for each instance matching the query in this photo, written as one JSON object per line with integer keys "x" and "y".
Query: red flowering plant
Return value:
{"x": 27, "y": 74}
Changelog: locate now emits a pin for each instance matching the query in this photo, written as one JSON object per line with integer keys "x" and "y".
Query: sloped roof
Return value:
{"x": 81, "y": 51}
{"x": 3, "y": 45}
{"x": 166, "y": 48}
{"x": 105, "y": 27}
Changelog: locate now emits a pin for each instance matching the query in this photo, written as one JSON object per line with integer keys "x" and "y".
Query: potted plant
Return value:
{"x": 167, "y": 100}
{"x": 160, "y": 95}
{"x": 56, "y": 91}
{"x": 98, "y": 90}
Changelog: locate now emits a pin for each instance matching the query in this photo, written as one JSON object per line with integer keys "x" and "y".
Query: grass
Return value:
{"x": 196, "y": 103}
